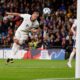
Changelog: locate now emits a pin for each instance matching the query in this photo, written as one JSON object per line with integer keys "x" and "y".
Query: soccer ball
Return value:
{"x": 46, "y": 11}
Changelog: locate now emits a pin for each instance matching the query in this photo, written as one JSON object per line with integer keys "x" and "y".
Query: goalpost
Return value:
{"x": 77, "y": 69}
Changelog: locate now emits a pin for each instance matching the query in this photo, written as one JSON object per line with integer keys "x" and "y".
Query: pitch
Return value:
{"x": 37, "y": 70}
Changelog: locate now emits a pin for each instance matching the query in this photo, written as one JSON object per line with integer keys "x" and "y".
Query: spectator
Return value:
{"x": 56, "y": 28}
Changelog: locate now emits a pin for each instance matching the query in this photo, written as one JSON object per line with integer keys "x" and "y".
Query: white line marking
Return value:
{"x": 56, "y": 79}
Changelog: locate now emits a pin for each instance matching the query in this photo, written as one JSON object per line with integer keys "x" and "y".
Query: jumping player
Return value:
{"x": 29, "y": 24}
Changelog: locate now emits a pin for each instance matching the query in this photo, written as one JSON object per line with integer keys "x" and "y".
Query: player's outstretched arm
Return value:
{"x": 14, "y": 14}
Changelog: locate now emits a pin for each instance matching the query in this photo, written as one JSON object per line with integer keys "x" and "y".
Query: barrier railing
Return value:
{"x": 5, "y": 50}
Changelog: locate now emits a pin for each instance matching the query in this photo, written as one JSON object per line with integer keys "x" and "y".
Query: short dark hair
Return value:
{"x": 36, "y": 11}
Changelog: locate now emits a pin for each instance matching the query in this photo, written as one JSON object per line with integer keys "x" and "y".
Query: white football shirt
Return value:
{"x": 74, "y": 26}
{"x": 27, "y": 23}
{"x": 75, "y": 23}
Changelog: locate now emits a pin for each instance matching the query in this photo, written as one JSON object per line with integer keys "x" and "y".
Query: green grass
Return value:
{"x": 35, "y": 69}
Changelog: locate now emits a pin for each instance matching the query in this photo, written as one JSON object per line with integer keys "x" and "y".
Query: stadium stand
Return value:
{"x": 56, "y": 26}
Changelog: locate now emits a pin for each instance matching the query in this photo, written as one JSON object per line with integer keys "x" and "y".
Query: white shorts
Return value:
{"x": 21, "y": 37}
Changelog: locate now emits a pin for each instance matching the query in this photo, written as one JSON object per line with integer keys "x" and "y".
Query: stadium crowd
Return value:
{"x": 55, "y": 31}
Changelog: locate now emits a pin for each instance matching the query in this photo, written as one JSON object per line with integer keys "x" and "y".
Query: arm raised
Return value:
{"x": 14, "y": 14}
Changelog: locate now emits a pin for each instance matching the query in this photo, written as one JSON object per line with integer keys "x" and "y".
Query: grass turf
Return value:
{"x": 35, "y": 69}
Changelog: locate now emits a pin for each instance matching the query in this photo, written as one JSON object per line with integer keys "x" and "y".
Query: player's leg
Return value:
{"x": 15, "y": 48}
{"x": 18, "y": 41}
{"x": 71, "y": 57}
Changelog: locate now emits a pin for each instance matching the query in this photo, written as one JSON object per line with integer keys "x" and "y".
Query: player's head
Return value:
{"x": 34, "y": 15}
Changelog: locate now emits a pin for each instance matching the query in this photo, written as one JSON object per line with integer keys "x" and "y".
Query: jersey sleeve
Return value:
{"x": 23, "y": 15}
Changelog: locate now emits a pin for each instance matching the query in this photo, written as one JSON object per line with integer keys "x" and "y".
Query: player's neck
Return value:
{"x": 32, "y": 19}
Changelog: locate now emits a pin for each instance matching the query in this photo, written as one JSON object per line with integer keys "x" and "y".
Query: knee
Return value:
{"x": 74, "y": 49}
{"x": 16, "y": 41}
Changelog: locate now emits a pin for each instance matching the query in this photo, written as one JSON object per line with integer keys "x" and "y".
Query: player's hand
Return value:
{"x": 33, "y": 30}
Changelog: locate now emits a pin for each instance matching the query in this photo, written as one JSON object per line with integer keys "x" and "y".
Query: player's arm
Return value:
{"x": 13, "y": 14}
{"x": 33, "y": 30}
{"x": 73, "y": 30}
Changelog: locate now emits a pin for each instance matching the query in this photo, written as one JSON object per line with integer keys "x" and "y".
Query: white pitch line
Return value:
{"x": 56, "y": 79}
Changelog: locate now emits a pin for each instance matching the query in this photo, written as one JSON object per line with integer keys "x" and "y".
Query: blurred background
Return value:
{"x": 55, "y": 31}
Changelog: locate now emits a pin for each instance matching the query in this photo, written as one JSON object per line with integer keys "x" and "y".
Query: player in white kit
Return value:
{"x": 74, "y": 26}
{"x": 29, "y": 24}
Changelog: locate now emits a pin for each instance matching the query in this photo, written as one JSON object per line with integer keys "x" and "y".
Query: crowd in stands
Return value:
{"x": 55, "y": 31}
